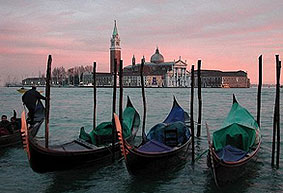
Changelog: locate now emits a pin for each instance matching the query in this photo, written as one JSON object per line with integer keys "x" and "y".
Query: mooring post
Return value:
{"x": 192, "y": 112}
{"x": 259, "y": 89}
{"x": 278, "y": 69}
{"x": 114, "y": 109}
{"x": 144, "y": 101}
{"x": 121, "y": 92}
{"x": 199, "y": 99}
{"x": 275, "y": 115}
{"x": 47, "y": 101}
{"x": 94, "y": 93}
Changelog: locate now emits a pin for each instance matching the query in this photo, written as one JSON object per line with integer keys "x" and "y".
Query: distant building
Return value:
{"x": 38, "y": 81}
{"x": 102, "y": 79}
{"x": 158, "y": 73}
{"x": 218, "y": 79}
{"x": 105, "y": 78}
{"x": 238, "y": 79}
{"x": 210, "y": 78}
{"x": 115, "y": 49}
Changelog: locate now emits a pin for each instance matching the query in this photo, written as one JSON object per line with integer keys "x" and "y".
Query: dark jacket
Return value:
{"x": 30, "y": 98}
{"x": 6, "y": 125}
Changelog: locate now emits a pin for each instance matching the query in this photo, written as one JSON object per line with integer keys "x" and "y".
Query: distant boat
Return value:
{"x": 23, "y": 90}
{"x": 15, "y": 138}
{"x": 234, "y": 146}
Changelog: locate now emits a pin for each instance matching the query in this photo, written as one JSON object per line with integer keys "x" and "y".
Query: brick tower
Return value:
{"x": 115, "y": 49}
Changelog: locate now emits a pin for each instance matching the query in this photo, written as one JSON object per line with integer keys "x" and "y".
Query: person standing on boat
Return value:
{"x": 29, "y": 99}
{"x": 5, "y": 126}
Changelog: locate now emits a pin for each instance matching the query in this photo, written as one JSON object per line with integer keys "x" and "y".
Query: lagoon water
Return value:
{"x": 71, "y": 108}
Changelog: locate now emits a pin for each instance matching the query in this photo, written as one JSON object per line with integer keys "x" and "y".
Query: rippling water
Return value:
{"x": 71, "y": 108}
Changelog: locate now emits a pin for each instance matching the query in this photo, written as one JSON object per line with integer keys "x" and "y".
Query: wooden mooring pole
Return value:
{"x": 192, "y": 112}
{"x": 143, "y": 100}
{"x": 94, "y": 93}
{"x": 276, "y": 120}
{"x": 121, "y": 92}
{"x": 114, "y": 109}
{"x": 278, "y": 70}
{"x": 199, "y": 100}
{"x": 47, "y": 101}
{"x": 259, "y": 89}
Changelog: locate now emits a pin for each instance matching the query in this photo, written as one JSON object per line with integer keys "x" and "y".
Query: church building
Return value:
{"x": 158, "y": 73}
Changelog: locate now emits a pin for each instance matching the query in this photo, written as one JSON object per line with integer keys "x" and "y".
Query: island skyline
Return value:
{"x": 224, "y": 35}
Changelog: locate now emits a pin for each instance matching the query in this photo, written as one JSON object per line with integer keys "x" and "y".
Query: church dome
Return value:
{"x": 157, "y": 57}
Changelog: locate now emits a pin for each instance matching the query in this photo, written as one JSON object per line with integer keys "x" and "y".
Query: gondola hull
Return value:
{"x": 228, "y": 172}
{"x": 61, "y": 158}
{"x": 15, "y": 138}
{"x": 235, "y": 146}
{"x": 10, "y": 140}
{"x": 161, "y": 151}
{"x": 75, "y": 154}
{"x": 145, "y": 163}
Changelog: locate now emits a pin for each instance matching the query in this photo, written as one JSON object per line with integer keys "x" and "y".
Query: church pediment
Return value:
{"x": 180, "y": 63}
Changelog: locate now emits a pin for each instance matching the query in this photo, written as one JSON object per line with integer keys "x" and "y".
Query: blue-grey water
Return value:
{"x": 71, "y": 108}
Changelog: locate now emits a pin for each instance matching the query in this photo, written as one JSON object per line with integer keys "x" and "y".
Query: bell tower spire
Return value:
{"x": 115, "y": 49}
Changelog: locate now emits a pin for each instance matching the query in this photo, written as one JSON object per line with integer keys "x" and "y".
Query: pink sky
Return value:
{"x": 226, "y": 35}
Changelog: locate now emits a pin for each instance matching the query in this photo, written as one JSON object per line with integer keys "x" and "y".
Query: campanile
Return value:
{"x": 115, "y": 49}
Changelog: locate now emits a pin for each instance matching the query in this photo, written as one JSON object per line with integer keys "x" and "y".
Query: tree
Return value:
{"x": 59, "y": 75}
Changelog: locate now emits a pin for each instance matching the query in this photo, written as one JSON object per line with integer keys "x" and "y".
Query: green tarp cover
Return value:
{"x": 238, "y": 130}
{"x": 130, "y": 119}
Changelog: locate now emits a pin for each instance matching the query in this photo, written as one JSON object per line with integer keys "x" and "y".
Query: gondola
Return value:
{"x": 15, "y": 138}
{"x": 77, "y": 153}
{"x": 166, "y": 144}
{"x": 234, "y": 147}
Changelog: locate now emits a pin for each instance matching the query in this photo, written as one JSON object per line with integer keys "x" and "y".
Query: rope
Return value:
{"x": 200, "y": 155}
{"x": 196, "y": 123}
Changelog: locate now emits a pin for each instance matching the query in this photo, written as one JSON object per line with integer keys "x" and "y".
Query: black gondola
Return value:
{"x": 75, "y": 154}
{"x": 166, "y": 144}
{"x": 15, "y": 138}
{"x": 235, "y": 146}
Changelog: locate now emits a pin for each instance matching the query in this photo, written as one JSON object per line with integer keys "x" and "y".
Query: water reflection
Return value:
{"x": 72, "y": 180}
{"x": 152, "y": 182}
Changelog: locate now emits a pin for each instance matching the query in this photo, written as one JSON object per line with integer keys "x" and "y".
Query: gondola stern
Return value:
{"x": 25, "y": 134}
{"x": 234, "y": 99}
{"x": 210, "y": 156}
{"x": 175, "y": 102}
{"x": 129, "y": 102}
{"x": 120, "y": 136}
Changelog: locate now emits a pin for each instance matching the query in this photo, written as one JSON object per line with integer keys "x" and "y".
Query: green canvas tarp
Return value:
{"x": 238, "y": 130}
{"x": 131, "y": 119}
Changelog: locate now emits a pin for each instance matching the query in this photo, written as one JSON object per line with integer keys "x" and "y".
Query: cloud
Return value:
{"x": 227, "y": 35}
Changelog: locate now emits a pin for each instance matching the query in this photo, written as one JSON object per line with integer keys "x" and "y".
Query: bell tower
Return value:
{"x": 115, "y": 49}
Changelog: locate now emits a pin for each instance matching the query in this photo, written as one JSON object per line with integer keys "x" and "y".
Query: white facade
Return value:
{"x": 178, "y": 76}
